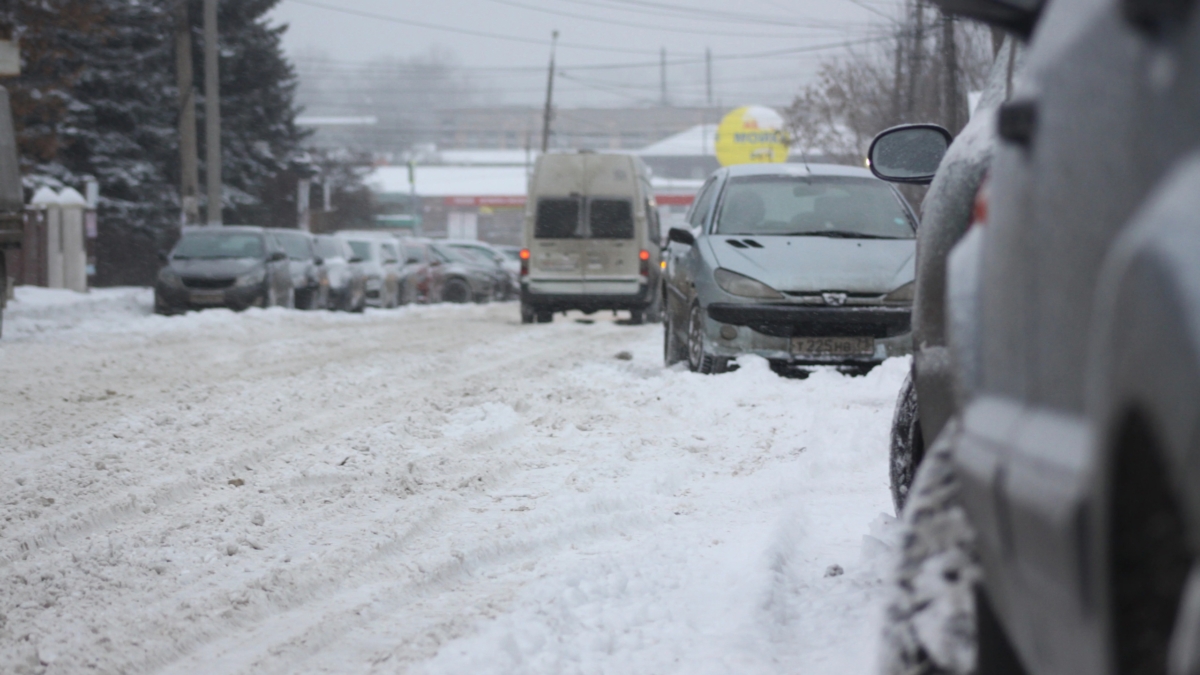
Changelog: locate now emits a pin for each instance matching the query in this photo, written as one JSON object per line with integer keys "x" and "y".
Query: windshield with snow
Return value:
{"x": 219, "y": 245}
{"x": 834, "y": 206}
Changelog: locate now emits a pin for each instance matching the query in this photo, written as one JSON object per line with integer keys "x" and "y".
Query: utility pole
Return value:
{"x": 662, "y": 75}
{"x": 548, "y": 114}
{"x": 189, "y": 181}
{"x": 916, "y": 58}
{"x": 212, "y": 112}
{"x": 708, "y": 76}
{"x": 952, "y": 106}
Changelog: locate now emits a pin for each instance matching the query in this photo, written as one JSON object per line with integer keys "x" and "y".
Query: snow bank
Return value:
{"x": 430, "y": 490}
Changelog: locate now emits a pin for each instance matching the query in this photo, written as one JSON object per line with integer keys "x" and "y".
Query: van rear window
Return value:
{"x": 557, "y": 219}
{"x": 611, "y": 219}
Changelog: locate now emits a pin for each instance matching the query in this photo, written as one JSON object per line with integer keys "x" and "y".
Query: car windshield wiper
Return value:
{"x": 838, "y": 234}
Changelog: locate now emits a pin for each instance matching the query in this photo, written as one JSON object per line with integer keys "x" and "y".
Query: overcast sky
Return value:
{"x": 504, "y": 44}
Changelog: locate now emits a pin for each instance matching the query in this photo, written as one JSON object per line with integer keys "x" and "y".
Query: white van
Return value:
{"x": 592, "y": 238}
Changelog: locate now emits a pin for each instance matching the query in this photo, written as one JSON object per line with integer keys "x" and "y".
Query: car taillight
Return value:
{"x": 979, "y": 214}
{"x": 525, "y": 262}
{"x": 644, "y": 256}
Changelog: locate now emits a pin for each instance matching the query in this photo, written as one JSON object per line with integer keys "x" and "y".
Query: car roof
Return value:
{"x": 288, "y": 230}
{"x": 198, "y": 229}
{"x": 366, "y": 234}
{"x": 799, "y": 170}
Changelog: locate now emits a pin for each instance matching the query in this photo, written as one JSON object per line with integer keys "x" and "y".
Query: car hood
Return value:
{"x": 215, "y": 268}
{"x": 814, "y": 264}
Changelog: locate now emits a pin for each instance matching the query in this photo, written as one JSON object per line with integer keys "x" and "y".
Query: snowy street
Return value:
{"x": 426, "y": 490}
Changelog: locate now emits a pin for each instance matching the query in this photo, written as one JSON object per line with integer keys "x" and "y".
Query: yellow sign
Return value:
{"x": 752, "y": 135}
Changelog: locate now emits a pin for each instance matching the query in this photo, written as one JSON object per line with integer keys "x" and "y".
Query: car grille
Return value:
{"x": 851, "y": 299}
{"x": 198, "y": 282}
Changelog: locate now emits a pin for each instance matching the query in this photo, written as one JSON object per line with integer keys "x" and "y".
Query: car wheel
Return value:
{"x": 527, "y": 313}
{"x": 674, "y": 349}
{"x": 908, "y": 443}
{"x": 456, "y": 291}
{"x": 699, "y": 360}
{"x": 637, "y": 317}
{"x": 931, "y": 625}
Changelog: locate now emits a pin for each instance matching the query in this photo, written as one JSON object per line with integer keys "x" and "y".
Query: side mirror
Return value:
{"x": 318, "y": 260}
{"x": 277, "y": 256}
{"x": 910, "y": 153}
{"x": 681, "y": 236}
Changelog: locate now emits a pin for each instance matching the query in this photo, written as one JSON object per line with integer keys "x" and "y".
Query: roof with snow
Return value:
{"x": 451, "y": 181}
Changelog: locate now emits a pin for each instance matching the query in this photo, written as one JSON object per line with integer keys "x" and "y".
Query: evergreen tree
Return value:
{"x": 98, "y": 97}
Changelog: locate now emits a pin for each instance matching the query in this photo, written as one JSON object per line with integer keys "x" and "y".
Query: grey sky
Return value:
{"x": 746, "y": 27}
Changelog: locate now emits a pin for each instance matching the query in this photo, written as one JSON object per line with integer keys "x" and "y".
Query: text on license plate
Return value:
{"x": 208, "y": 297}
{"x": 849, "y": 346}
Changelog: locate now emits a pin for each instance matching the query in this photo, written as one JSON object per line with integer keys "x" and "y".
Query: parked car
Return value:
{"x": 234, "y": 266}
{"x": 1069, "y": 468}
{"x": 379, "y": 256}
{"x": 506, "y": 272}
{"x": 308, "y": 278}
{"x": 592, "y": 238}
{"x": 458, "y": 277}
{"x": 803, "y": 265}
{"x": 416, "y": 274}
{"x": 343, "y": 272}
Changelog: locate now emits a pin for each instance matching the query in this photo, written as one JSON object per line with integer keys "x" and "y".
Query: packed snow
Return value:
{"x": 428, "y": 490}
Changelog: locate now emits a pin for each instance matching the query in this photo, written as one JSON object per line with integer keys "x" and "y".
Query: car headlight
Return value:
{"x": 167, "y": 276}
{"x": 903, "y": 294}
{"x": 252, "y": 278}
{"x": 737, "y": 284}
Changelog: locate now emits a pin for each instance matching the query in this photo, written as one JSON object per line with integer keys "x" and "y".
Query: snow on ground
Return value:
{"x": 428, "y": 490}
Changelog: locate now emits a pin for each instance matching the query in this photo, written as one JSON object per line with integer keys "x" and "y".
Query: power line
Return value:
{"x": 462, "y": 31}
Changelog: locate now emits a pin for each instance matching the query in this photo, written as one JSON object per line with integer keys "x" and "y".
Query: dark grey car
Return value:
{"x": 235, "y": 266}
{"x": 1071, "y": 466}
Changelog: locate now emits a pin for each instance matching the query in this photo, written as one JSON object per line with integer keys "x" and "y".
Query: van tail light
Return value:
{"x": 644, "y": 268}
{"x": 980, "y": 212}
{"x": 525, "y": 262}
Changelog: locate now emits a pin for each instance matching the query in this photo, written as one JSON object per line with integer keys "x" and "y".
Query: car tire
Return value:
{"x": 456, "y": 291}
{"x": 907, "y": 444}
{"x": 528, "y": 315}
{"x": 637, "y": 317}
{"x": 699, "y": 360}
{"x": 931, "y": 617}
{"x": 674, "y": 349}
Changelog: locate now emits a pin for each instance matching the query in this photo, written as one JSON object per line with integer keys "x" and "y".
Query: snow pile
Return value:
{"x": 431, "y": 490}
{"x": 35, "y": 310}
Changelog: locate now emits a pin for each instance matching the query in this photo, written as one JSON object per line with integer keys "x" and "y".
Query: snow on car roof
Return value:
{"x": 799, "y": 170}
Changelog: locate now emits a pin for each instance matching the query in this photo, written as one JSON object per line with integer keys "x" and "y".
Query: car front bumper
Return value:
{"x": 170, "y": 299}
{"x": 768, "y": 330}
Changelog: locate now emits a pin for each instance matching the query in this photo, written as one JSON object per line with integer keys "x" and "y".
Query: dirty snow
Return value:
{"x": 427, "y": 490}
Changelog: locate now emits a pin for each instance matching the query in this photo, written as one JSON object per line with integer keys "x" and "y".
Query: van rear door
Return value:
{"x": 557, "y": 250}
{"x": 611, "y": 252}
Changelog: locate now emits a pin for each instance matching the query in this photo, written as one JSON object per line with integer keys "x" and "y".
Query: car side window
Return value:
{"x": 653, "y": 224}
{"x": 703, "y": 204}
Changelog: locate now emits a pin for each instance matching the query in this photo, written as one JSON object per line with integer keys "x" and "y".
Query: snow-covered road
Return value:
{"x": 428, "y": 490}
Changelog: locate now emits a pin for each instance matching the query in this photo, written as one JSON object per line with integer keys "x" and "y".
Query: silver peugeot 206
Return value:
{"x": 801, "y": 264}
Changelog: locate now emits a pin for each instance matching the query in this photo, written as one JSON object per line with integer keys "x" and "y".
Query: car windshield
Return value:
{"x": 832, "y": 206}
{"x": 211, "y": 246}
{"x": 454, "y": 254}
{"x": 362, "y": 250}
{"x": 296, "y": 246}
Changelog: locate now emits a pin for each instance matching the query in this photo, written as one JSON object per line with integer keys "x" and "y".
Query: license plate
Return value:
{"x": 208, "y": 297}
{"x": 850, "y": 346}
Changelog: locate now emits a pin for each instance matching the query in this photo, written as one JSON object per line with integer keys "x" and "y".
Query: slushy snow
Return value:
{"x": 427, "y": 490}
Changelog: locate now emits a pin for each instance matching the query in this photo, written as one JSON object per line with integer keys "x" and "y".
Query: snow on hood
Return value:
{"x": 215, "y": 267}
{"x": 812, "y": 264}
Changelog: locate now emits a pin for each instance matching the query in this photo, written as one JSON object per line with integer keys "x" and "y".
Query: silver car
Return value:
{"x": 803, "y": 265}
